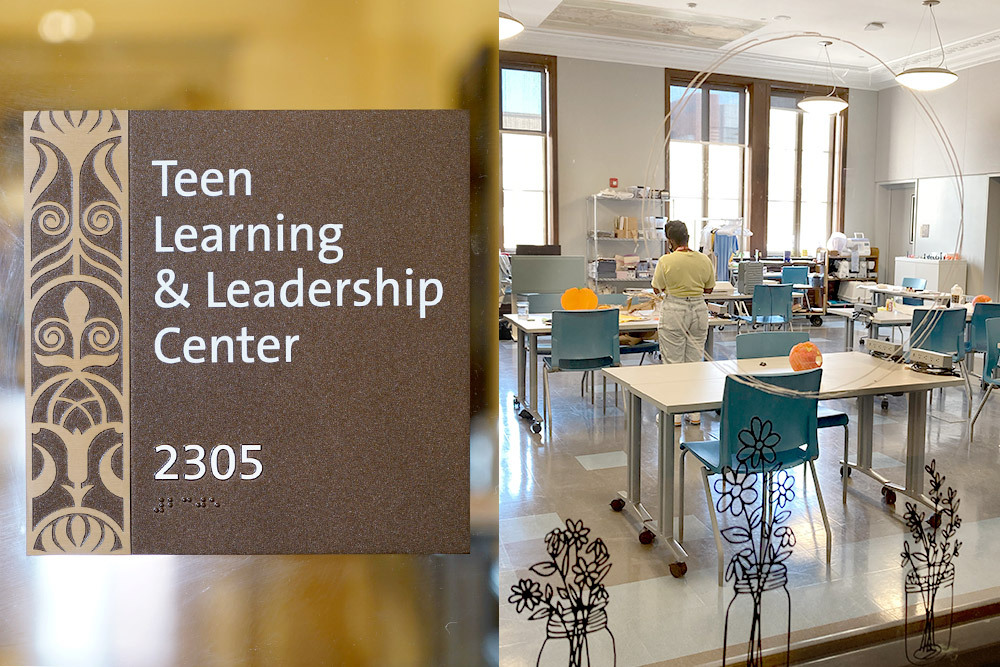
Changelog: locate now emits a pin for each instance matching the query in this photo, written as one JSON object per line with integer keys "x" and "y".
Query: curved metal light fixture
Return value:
{"x": 830, "y": 104}
{"x": 509, "y": 26}
{"x": 928, "y": 78}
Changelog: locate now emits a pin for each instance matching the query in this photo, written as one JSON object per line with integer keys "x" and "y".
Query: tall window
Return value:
{"x": 526, "y": 154}
{"x": 707, "y": 151}
{"x": 802, "y": 161}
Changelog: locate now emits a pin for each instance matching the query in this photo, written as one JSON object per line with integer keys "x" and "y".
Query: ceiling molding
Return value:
{"x": 960, "y": 55}
{"x": 657, "y": 54}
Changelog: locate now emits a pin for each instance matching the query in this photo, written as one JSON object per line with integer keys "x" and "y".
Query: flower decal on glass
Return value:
{"x": 930, "y": 567}
{"x": 736, "y": 490}
{"x": 757, "y": 444}
{"x": 754, "y": 496}
{"x": 574, "y": 602}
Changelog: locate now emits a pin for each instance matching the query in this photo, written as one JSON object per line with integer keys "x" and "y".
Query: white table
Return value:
{"x": 532, "y": 326}
{"x": 695, "y": 387}
{"x": 901, "y": 316}
{"x": 896, "y": 290}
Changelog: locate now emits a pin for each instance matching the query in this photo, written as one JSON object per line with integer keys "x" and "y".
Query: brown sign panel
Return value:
{"x": 248, "y": 331}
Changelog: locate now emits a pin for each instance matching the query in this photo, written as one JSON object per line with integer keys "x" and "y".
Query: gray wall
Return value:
{"x": 908, "y": 149}
{"x": 610, "y": 117}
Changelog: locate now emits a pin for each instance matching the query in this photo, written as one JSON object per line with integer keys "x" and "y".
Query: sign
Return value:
{"x": 247, "y": 332}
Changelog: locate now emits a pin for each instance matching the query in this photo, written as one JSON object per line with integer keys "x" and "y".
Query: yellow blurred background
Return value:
{"x": 251, "y": 54}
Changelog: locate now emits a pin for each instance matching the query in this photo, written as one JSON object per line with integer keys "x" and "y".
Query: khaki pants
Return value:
{"x": 683, "y": 329}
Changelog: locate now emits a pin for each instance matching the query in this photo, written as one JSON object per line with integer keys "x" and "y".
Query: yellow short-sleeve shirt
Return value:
{"x": 684, "y": 273}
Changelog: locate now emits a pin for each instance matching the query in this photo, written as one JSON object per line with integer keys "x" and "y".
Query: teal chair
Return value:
{"x": 582, "y": 340}
{"x": 797, "y": 276}
{"x": 976, "y": 340}
{"x": 612, "y": 299}
{"x": 942, "y": 330}
{"x": 780, "y": 344}
{"x": 771, "y": 304}
{"x": 992, "y": 355}
{"x": 542, "y": 302}
{"x": 917, "y": 284}
{"x": 793, "y": 417}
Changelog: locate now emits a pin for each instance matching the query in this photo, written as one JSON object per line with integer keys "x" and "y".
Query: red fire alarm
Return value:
{"x": 613, "y": 182}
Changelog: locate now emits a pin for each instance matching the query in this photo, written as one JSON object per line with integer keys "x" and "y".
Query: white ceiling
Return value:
{"x": 970, "y": 30}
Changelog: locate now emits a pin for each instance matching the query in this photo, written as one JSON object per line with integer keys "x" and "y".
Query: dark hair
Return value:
{"x": 677, "y": 232}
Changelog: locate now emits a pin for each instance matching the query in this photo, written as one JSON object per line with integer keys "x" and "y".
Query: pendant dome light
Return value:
{"x": 824, "y": 104}
{"x": 509, "y": 26}
{"x": 928, "y": 78}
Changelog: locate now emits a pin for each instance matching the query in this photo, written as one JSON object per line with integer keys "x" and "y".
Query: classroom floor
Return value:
{"x": 657, "y": 619}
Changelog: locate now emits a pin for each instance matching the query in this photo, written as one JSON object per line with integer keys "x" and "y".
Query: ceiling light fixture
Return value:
{"x": 830, "y": 104}
{"x": 928, "y": 78}
{"x": 509, "y": 26}
{"x": 874, "y": 25}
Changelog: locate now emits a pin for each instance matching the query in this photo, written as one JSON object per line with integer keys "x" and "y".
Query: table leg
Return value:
{"x": 916, "y": 442}
{"x": 666, "y": 485}
{"x": 521, "y": 359}
{"x": 915, "y": 445}
{"x": 849, "y": 334}
{"x": 633, "y": 426}
{"x": 710, "y": 343}
{"x": 533, "y": 371}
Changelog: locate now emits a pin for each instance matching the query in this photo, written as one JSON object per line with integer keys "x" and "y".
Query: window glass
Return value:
{"x": 685, "y": 117}
{"x": 522, "y": 100}
{"x": 725, "y": 116}
{"x": 686, "y": 167}
{"x": 780, "y": 226}
{"x": 725, "y": 172}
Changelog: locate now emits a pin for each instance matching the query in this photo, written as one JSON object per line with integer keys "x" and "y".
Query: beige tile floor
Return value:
{"x": 656, "y": 618}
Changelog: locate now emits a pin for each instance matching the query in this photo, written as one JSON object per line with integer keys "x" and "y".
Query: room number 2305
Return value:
{"x": 221, "y": 459}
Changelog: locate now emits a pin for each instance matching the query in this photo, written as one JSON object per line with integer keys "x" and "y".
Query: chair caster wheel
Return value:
{"x": 646, "y": 536}
{"x": 888, "y": 495}
{"x": 678, "y": 569}
{"x": 885, "y": 403}
{"x": 525, "y": 413}
{"x": 842, "y": 471}
{"x": 536, "y": 427}
{"x": 816, "y": 321}
{"x": 618, "y": 504}
{"x": 935, "y": 521}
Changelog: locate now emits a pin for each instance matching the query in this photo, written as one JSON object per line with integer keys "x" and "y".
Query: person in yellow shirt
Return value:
{"x": 685, "y": 276}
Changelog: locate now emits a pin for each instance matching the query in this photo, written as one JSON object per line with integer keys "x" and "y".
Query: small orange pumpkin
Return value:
{"x": 579, "y": 298}
{"x": 805, "y": 356}
{"x": 982, "y": 298}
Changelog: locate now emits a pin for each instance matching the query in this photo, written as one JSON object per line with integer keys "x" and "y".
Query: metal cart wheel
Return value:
{"x": 618, "y": 504}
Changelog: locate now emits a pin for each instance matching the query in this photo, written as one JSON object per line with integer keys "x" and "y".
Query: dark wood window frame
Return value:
{"x": 547, "y": 64}
{"x": 756, "y": 178}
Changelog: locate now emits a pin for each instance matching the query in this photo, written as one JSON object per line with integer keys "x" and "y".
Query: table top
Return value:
{"x": 541, "y": 323}
{"x": 901, "y": 316}
{"x": 897, "y": 290}
{"x": 697, "y": 386}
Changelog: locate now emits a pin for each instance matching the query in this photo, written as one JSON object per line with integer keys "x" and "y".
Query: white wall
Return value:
{"x": 610, "y": 117}
{"x": 859, "y": 186}
{"x": 908, "y": 148}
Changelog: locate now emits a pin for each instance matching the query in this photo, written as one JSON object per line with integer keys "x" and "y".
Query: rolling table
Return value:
{"x": 902, "y": 316}
{"x": 698, "y": 386}
{"x": 532, "y": 326}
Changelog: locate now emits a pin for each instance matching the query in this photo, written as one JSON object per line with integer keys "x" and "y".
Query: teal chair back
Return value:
{"x": 792, "y": 418}
{"x": 584, "y": 340}
{"x": 992, "y": 352}
{"x": 543, "y": 302}
{"x": 771, "y": 301}
{"x": 795, "y": 275}
{"x": 939, "y": 330}
{"x": 915, "y": 283}
{"x": 612, "y": 299}
{"x": 981, "y": 312}
{"x": 768, "y": 343}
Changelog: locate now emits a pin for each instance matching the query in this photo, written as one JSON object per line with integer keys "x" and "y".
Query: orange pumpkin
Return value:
{"x": 582, "y": 298}
{"x": 982, "y": 298}
{"x": 805, "y": 356}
